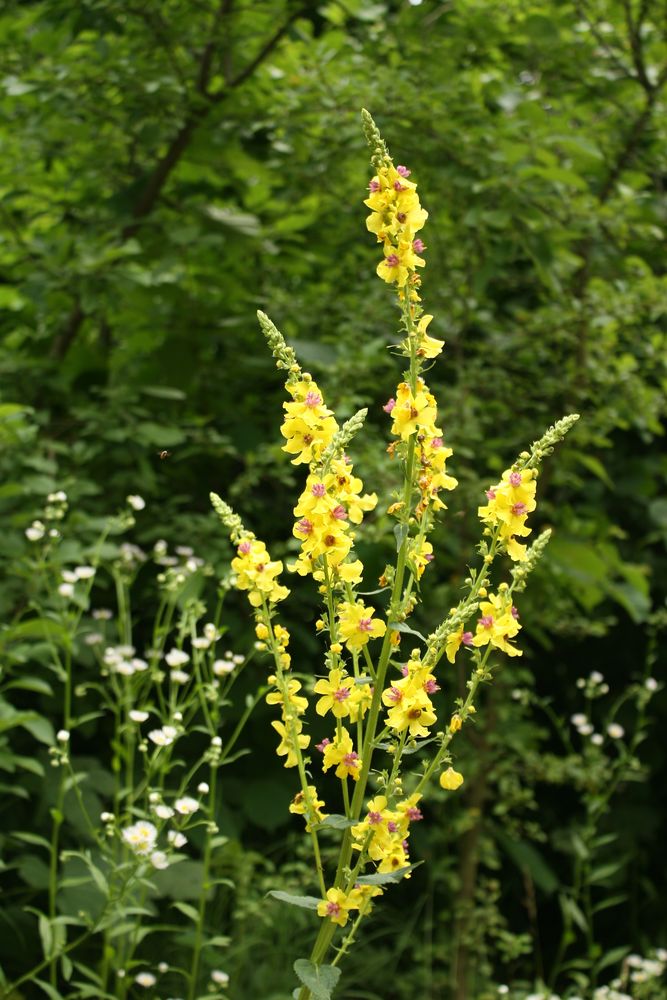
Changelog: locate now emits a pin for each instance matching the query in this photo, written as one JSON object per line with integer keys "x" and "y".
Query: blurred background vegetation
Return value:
{"x": 166, "y": 169}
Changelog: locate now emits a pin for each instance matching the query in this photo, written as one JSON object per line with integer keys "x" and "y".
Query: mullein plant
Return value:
{"x": 165, "y": 728}
{"x": 382, "y": 703}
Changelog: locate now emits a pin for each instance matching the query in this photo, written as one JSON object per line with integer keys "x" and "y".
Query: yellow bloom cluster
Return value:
{"x": 498, "y": 623}
{"x": 408, "y": 701}
{"x": 396, "y": 216}
{"x": 257, "y": 573}
{"x": 309, "y": 425}
{"x": 281, "y": 639}
{"x": 416, "y": 414}
{"x": 338, "y": 904}
{"x": 326, "y": 508}
{"x": 292, "y": 704}
{"x": 308, "y": 804}
{"x": 510, "y": 502}
{"x": 385, "y": 831}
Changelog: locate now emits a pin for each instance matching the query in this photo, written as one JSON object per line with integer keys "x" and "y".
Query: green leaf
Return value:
{"x": 36, "y": 628}
{"x": 320, "y": 979}
{"x": 163, "y": 392}
{"x": 336, "y": 822}
{"x": 35, "y": 684}
{"x": 188, "y": 911}
{"x": 527, "y": 858}
{"x": 400, "y": 534}
{"x": 45, "y": 935}
{"x": 32, "y": 838}
{"x": 41, "y": 729}
{"x": 307, "y": 902}
{"x": 571, "y": 909}
{"x": 403, "y": 627}
{"x": 50, "y": 991}
{"x": 604, "y": 872}
{"x": 611, "y": 957}
{"x": 383, "y": 878}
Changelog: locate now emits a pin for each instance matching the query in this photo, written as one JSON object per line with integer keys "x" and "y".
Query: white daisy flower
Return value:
{"x": 140, "y": 837}
{"x": 176, "y": 658}
{"x": 84, "y": 572}
{"x": 176, "y": 838}
{"x": 145, "y": 979}
{"x": 186, "y": 806}
{"x": 35, "y": 532}
{"x": 160, "y": 738}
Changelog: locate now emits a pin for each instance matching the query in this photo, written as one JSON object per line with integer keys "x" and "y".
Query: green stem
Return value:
{"x": 201, "y": 914}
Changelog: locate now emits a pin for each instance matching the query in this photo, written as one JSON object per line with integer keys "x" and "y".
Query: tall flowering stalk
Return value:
{"x": 381, "y": 703}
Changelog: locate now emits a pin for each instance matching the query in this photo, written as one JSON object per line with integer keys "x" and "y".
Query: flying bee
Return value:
{"x": 164, "y": 454}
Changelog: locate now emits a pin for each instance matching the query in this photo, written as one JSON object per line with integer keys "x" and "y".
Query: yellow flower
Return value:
{"x": 305, "y": 440}
{"x": 342, "y": 753}
{"x": 411, "y": 709}
{"x": 299, "y": 703}
{"x": 509, "y": 503}
{"x": 454, "y": 640}
{"x": 412, "y": 411}
{"x": 360, "y": 701}
{"x": 257, "y": 573}
{"x": 428, "y": 347}
{"x": 451, "y": 779}
{"x": 357, "y": 624}
{"x": 286, "y": 747}
{"x": 336, "y": 907}
{"x": 351, "y": 572}
{"x": 309, "y": 805}
{"x": 499, "y": 622}
{"x": 335, "y": 693}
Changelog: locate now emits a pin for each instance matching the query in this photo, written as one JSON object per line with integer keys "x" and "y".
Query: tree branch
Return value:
{"x": 198, "y": 112}
{"x": 265, "y": 51}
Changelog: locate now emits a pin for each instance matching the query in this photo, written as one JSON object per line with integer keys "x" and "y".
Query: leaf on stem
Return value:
{"x": 307, "y": 902}
{"x": 382, "y": 878}
{"x": 319, "y": 979}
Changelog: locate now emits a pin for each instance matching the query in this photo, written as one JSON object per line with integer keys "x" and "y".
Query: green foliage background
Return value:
{"x": 168, "y": 168}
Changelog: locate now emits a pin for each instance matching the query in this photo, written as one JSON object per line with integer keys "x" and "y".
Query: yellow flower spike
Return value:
{"x": 450, "y": 780}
